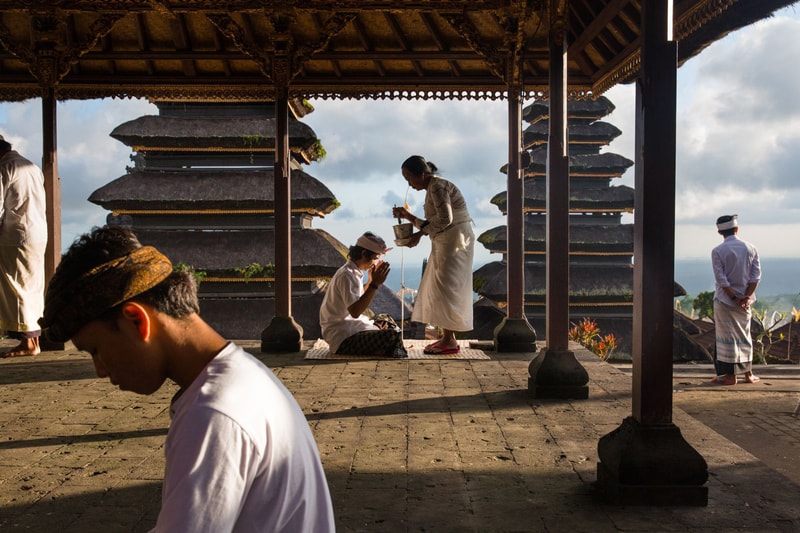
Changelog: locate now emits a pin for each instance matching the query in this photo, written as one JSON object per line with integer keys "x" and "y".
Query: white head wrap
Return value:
{"x": 373, "y": 243}
{"x": 732, "y": 223}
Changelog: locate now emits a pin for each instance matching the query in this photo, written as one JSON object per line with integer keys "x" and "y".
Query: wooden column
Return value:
{"x": 514, "y": 333}
{"x": 52, "y": 183}
{"x": 646, "y": 460}
{"x": 556, "y": 372}
{"x": 52, "y": 191}
{"x": 283, "y": 334}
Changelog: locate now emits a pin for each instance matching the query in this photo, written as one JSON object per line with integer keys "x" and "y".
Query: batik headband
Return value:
{"x": 72, "y": 304}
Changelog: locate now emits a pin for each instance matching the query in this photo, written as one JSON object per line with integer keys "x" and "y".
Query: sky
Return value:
{"x": 738, "y": 149}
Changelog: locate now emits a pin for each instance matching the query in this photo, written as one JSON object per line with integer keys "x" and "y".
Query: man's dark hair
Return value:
{"x": 176, "y": 296}
{"x": 357, "y": 252}
{"x": 5, "y": 146}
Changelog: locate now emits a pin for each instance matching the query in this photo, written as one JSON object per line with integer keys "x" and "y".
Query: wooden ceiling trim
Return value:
{"x": 181, "y": 40}
{"x": 404, "y": 44}
{"x": 367, "y": 44}
{"x": 440, "y": 43}
{"x": 366, "y": 49}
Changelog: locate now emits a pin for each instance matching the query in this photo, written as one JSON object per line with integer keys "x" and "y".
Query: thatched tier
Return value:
{"x": 585, "y": 239}
{"x": 587, "y": 283}
{"x": 605, "y": 165}
{"x": 234, "y": 189}
{"x": 597, "y": 133}
{"x": 611, "y": 199}
{"x": 315, "y": 253}
{"x": 207, "y": 220}
{"x": 584, "y": 110}
{"x": 241, "y": 133}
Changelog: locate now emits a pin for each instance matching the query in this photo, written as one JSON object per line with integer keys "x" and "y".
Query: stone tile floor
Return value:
{"x": 425, "y": 445}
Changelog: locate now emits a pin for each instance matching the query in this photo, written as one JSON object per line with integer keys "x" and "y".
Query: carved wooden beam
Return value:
{"x": 231, "y": 29}
{"x": 332, "y": 26}
{"x": 461, "y": 24}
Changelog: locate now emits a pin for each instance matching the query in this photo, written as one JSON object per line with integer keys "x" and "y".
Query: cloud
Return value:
{"x": 739, "y": 122}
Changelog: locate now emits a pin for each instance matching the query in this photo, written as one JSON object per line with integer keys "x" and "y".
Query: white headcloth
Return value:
{"x": 732, "y": 223}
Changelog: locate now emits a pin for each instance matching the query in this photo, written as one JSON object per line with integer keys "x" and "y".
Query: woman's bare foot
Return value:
{"x": 25, "y": 348}
{"x": 751, "y": 378}
{"x": 433, "y": 345}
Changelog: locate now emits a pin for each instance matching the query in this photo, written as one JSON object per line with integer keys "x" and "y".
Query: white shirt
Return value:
{"x": 240, "y": 455}
{"x": 736, "y": 265}
{"x": 23, "y": 217}
{"x": 345, "y": 288}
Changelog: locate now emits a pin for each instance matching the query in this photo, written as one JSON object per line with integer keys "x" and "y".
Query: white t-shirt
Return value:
{"x": 345, "y": 288}
{"x": 240, "y": 455}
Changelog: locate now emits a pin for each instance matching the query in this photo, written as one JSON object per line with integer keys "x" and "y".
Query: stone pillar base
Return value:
{"x": 557, "y": 374}
{"x": 650, "y": 465}
{"x": 514, "y": 335}
{"x": 282, "y": 335}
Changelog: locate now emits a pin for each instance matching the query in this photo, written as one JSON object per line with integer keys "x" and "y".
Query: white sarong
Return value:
{"x": 445, "y": 293}
{"x": 732, "y": 325}
{"x": 21, "y": 286}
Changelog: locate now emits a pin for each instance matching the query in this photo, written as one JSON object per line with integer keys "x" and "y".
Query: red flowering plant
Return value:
{"x": 587, "y": 333}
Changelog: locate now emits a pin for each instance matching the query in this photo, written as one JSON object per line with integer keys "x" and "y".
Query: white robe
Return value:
{"x": 445, "y": 293}
{"x": 23, "y": 240}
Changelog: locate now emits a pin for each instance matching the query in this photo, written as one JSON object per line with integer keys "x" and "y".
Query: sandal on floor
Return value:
{"x": 440, "y": 350}
{"x": 719, "y": 381}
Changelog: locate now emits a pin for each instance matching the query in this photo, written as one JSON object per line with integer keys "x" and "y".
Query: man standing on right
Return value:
{"x": 737, "y": 271}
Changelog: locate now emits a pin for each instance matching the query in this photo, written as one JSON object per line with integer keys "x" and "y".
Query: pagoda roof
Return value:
{"x": 583, "y": 238}
{"x": 598, "y": 133}
{"x": 315, "y": 253}
{"x": 238, "y": 133}
{"x": 587, "y": 283}
{"x": 618, "y": 198}
{"x": 605, "y": 165}
{"x": 208, "y": 50}
{"x": 211, "y": 189}
{"x": 583, "y": 110}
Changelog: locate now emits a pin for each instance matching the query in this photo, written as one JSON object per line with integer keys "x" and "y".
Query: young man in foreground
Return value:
{"x": 239, "y": 453}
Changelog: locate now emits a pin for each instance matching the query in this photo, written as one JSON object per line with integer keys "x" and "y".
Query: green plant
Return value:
{"x": 766, "y": 337}
{"x": 199, "y": 275}
{"x": 256, "y": 270}
{"x": 587, "y": 333}
{"x": 704, "y": 304}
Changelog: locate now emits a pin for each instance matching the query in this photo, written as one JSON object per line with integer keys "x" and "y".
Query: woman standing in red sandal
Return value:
{"x": 445, "y": 292}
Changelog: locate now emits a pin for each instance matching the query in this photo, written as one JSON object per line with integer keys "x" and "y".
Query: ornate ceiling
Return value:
{"x": 244, "y": 49}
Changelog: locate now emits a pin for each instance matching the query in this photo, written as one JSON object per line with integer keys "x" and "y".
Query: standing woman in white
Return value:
{"x": 445, "y": 292}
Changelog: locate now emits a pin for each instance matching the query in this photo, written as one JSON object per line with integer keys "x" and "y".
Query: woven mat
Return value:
{"x": 414, "y": 348}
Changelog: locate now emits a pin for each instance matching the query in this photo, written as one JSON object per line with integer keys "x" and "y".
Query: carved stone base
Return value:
{"x": 557, "y": 374}
{"x": 650, "y": 465}
{"x": 282, "y": 335}
{"x": 514, "y": 335}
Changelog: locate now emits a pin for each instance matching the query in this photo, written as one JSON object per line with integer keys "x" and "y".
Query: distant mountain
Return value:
{"x": 779, "y": 276}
